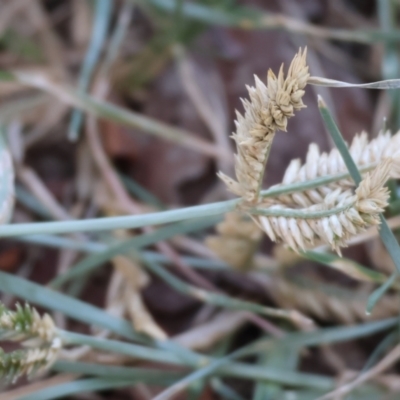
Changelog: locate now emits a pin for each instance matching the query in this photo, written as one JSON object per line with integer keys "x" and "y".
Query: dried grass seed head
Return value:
{"x": 38, "y": 337}
{"x": 267, "y": 110}
{"x": 340, "y": 216}
{"x": 367, "y": 155}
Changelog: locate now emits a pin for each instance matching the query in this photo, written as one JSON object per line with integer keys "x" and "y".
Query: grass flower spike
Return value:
{"x": 37, "y": 336}
{"x": 267, "y": 111}
{"x": 333, "y": 221}
{"x": 366, "y": 154}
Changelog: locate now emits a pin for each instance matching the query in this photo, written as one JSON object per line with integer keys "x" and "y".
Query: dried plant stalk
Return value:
{"x": 38, "y": 336}
{"x": 267, "y": 111}
{"x": 366, "y": 154}
{"x": 340, "y": 216}
{"x": 237, "y": 240}
{"x": 345, "y": 307}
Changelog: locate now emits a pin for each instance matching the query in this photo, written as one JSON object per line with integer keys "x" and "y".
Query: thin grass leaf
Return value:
{"x": 378, "y": 293}
{"x": 390, "y": 62}
{"x": 158, "y": 218}
{"x": 78, "y": 386}
{"x": 294, "y": 341}
{"x": 76, "y": 309}
{"x": 385, "y": 232}
{"x": 93, "y": 261}
{"x": 102, "y": 18}
{"x": 128, "y": 349}
{"x": 97, "y": 247}
{"x": 388, "y": 342}
{"x": 31, "y": 202}
{"x": 251, "y": 18}
{"x": 123, "y": 222}
{"x": 108, "y": 111}
{"x": 141, "y": 193}
{"x": 383, "y": 85}
{"x": 320, "y": 337}
{"x": 145, "y": 375}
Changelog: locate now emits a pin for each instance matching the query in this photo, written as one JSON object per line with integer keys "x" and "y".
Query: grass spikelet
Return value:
{"x": 340, "y": 216}
{"x": 267, "y": 111}
{"x": 37, "y": 336}
{"x": 366, "y": 154}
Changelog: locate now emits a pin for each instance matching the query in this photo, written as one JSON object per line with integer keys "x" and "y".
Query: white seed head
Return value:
{"x": 267, "y": 111}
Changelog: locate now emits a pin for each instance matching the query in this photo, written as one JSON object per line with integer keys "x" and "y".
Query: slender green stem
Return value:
{"x": 102, "y": 18}
{"x": 301, "y": 214}
{"x": 250, "y": 18}
{"x": 128, "y": 349}
{"x": 145, "y": 375}
{"x": 163, "y": 217}
{"x": 59, "y": 242}
{"x": 91, "y": 262}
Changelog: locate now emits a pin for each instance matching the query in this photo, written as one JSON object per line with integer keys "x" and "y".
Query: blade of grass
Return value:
{"x": 75, "y": 387}
{"x": 146, "y": 375}
{"x": 91, "y": 262}
{"x": 31, "y": 202}
{"x": 158, "y": 218}
{"x": 128, "y": 349}
{"x": 108, "y": 111}
{"x": 251, "y": 18}
{"x": 102, "y": 18}
{"x": 296, "y": 341}
{"x": 141, "y": 193}
{"x": 378, "y": 293}
{"x": 389, "y": 341}
{"x": 73, "y": 308}
{"x": 111, "y": 223}
{"x": 97, "y": 247}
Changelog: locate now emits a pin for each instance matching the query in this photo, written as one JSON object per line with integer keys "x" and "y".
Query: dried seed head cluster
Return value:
{"x": 237, "y": 240}
{"x": 36, "y": 334}
{"x": 267, "y": 111}
{"x": 366, "y": 154}
{"x": 340, "y": 216}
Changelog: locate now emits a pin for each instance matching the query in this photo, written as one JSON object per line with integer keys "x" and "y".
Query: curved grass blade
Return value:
{"x": 102, "y": 18}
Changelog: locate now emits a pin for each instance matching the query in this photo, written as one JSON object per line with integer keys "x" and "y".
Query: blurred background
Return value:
{"x": 178, "y": 68}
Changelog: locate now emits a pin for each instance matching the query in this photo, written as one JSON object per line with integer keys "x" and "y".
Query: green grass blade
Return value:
{"x": 115, "y": 346}
{"x": 385, "y": 233}
{"x": 378, "y": 293}
{"x": 78, "y": 310}
{"x": 93, "y": 261}
{"x": 145, "y": 375}
{"x": 78, "y": 386}
{"x": 123, "y": 222}
{"x": 102, "y": 18}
